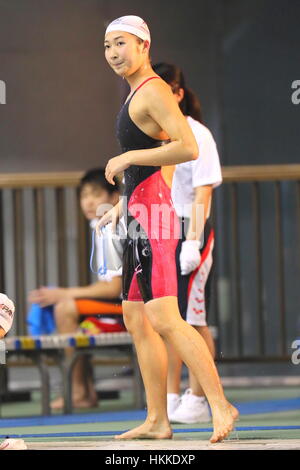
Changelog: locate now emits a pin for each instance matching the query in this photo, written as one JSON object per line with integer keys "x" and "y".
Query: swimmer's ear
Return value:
{"x": 146, "y": 45}
{"x": 181, "y": 94}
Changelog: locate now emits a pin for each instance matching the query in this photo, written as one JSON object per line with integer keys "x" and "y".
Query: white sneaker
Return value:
{"x": 173, "y": 401}
{"x": 192, "y": 409}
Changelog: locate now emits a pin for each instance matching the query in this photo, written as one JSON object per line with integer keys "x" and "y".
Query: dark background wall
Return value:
{"x": 240, "y": 56}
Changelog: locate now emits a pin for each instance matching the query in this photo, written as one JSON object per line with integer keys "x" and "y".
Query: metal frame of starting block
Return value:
{"x": 39, "y": 348}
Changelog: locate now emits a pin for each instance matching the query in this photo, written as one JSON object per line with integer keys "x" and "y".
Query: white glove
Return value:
{"x": 190, "y": 256}
{"x": 7, "y": 310}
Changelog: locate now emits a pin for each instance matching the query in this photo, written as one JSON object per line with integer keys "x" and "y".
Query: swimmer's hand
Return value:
{"x": 115, "y": 166}
{"x": 103, "y": 221}
{"x": 112, "y": 216}
{"x": 190, "y": 256}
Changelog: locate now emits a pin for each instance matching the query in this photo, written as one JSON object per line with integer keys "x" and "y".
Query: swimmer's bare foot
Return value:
{"x": 223, "y": 421}
{"x": 148, "y": 430}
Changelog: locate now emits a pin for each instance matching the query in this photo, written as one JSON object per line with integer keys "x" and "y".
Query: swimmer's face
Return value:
{"x": 2, "y": 333}
{"x": 125, "y": 52}
{"x": 92, "y": 196}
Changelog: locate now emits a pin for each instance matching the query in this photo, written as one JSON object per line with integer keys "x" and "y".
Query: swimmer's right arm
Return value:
{"x": 112, "y": 216}
{"x": 163, "y": 109}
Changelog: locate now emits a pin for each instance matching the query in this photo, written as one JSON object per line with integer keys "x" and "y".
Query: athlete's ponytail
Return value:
{"x": 190, "y": 105}
{"x": 173, "y": 75}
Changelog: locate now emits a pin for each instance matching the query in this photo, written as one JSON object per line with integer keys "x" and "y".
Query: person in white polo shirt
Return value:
{"x": 7, "y": 310}
{"x": 192, "y": 187}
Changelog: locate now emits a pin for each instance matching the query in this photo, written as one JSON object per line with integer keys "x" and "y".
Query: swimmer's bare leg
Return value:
{"x": 206, "y": 334}
{"x": 165, "y": 318}
{"x": 152, "y": 357}
{"x": 174, "y": 369}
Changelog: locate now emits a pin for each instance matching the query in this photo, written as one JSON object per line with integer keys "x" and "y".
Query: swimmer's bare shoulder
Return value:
{"x": 161, "y": 106}
{"x": 158, "y": 97}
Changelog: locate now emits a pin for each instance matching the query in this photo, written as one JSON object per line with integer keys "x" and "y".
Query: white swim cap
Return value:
{"x": 131, "y": 24}
{"x": 7, "y": 310}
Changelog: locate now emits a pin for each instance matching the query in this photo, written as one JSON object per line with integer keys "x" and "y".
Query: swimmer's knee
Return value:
{"x": 128, "y": 321}
{"x": 163, "y": 314}
{"x": 158, "y": 324}
{"x": 133, "y": 314}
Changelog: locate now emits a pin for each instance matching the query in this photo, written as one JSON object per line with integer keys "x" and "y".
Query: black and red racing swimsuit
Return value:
{"x": 149, "y": 266}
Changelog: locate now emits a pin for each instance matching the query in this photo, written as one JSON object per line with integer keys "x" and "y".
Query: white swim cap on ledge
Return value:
{"x": 131, "y": 24}
{"x": 7, "y": 310}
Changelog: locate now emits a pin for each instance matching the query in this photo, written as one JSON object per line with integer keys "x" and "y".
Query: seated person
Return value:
{"x": 103, "y": 296}
{"x": 7, "y": 310}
